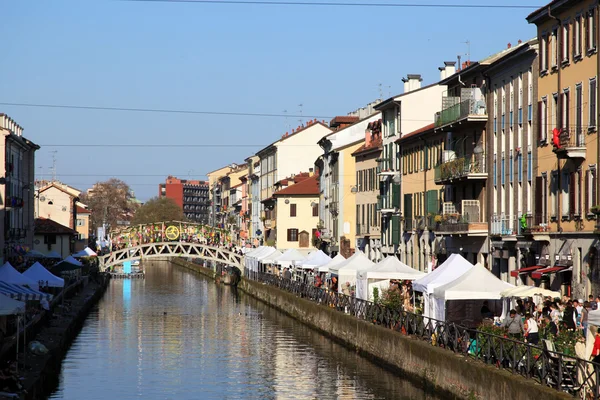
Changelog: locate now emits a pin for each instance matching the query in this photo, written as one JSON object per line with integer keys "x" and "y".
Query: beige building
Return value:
{"x": 297, "y": 215}
{"x": 368, "y": 223}
{"x": 562, "y": 227}
{"x": 17, "y": 170}
{"x": 83, "y": 227}
{"x": 52, "y": 236}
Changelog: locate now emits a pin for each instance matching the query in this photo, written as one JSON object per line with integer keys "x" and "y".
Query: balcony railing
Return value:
{"x": 363, "y": 229}
{"x": 468, "y": 167}
{"x": 536, "y": 224}
{"x": 385, "y": 166}
{"x": 469, "y": 221}
{"x": 502, "y": 225}
{"x": 572, "y": 143}
{"x": 458, "y": 108}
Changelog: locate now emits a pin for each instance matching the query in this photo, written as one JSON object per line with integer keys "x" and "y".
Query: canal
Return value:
{"x": 177, "y": 335}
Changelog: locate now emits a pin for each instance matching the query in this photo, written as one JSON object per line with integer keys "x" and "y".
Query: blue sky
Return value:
{"x": 232, "y": 58}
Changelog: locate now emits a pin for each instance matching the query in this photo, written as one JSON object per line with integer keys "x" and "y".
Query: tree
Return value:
{"x": 111, "y": 201}
{"x": 157, "y": 210}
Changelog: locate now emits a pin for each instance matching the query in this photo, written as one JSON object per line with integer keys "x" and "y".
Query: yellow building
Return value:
{"x": 563, "y": 223}
{"x": 297, "y": 213}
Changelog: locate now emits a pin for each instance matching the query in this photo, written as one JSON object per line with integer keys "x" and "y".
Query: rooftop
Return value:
{"x": 306, "y": 187}
{"x": 44, "y": 226}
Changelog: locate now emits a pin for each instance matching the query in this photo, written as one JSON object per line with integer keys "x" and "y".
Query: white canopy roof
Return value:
{"x": 53, "y": 254}
{"x": 263, "y": 253}
{"x": 476, "y": 284}
{"x": 391, "y": 268}
{"x": 10, "y": 306}
{"x": 291, "y": 256}
{"x": 35, "y": 254}
{"x": 251, "y": 252}
{"x": 594, "y": 317}
{"x": 72, "y": 260}
{"x": 87, "y": 252}
{"x": 358, "y": 261}
{"x": 270, "y": 259}
{"x": 335, "y": 261}
{"x": 528, "y": 291}
{"x": 452, "y": 268}
{"x": 315, "y": 259}
{"x": 10, "y": 275}
{"x": 37, "y": 272}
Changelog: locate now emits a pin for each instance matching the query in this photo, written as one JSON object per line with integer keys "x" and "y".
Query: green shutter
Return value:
{"x": 425, "y": 157}
{"x": 408, "y": 207}
{"x": 396, "y": 229}
{"x": 432, "y": 202}
{"x": 396, "y": 195}
{"x": 391, "y": 156}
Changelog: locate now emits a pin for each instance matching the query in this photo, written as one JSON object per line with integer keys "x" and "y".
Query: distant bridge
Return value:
{"x": 170, "y": 249}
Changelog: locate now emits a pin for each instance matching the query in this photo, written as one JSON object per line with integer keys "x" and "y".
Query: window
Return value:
{"x": 502, "y": 170}
{"x": 520, "y": 167}
{"x": 565, "y": 189}
{"x": 577, "y": 37}
{"x": 292, "y": 235}
{"x": 543, "y": 117}
{"x": 579, "y": 114}
{"x": 544, "y": 52}
{"x": 315, "y": 210}
{"x": 510, "y": 119}
{"x": 565, "y": 42}
{"x": 495, "y": 174}
{"x": 390, "y": 123}
{"x": 590, "y": 31}
{"x": 529, "y": 166}
{"x": 292, "y": 210}
{"x": 80, "y": 222}
{"x": 592, "y": 104}
{"x": 554, "y": 48}
{"x": 510, "y": 167}
{"x": 504, "y": 120}
{"x": 554, "y": 194}
{"x": 565, "y": 110}
{"x": 50, "y": 239}
{"x": 590, "y": 189}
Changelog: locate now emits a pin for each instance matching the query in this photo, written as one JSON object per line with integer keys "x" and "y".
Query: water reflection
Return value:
{"x": 176, "y": 335}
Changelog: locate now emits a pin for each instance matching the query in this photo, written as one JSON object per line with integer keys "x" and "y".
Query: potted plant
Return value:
{"x": 595, "y": 209}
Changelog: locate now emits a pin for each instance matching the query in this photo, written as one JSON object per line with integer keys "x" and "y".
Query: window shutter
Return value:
{"x": 539, "y": 200}
{"x": 396, "y": 195}
{"x": 396, "y": 229}
{"x": 587, "y": 204}
{"x": 593, "y": 197}
{"x": 292, "y": 210}
{"x": 540, "y": 122}
{"x": 289, "y": 235}
{"x": 572, "y": 197}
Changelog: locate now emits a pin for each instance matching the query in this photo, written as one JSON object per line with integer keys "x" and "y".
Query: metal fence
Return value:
{"x": 543, "y": 365}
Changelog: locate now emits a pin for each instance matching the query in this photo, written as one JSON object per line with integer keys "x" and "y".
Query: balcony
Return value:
{"x": 470, "y": 221}
{"x": 572, "y": 144}
{"x": 536, "y": 225}
{"x": 469, "y": 107}
{"x": 470, "y": 167}
{"x": 385, "y": 206}
{"x": 385, "y": 167}
{"x": 363, "y": 229}
{"x": 504, "y": 226}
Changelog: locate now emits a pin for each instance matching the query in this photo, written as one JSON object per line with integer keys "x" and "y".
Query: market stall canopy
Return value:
{"x": 315, "y": 259}
{"x": 358, "y": 261}
{"x": 335, "y": 261}
{"x": 270, "y": 259}
{"x": 252, "y": 261}
{"x": 65, "y": 266}
{"x": 529, "y": 291}
{"x": 10, "y": 275}
{"x": 22, "y": 292}
{"x": 10, "y": 306}
{"x": 476, "y": 284}
{"x": 290, "y": 257}
{"x": 594, "y": 317}
{"x": 455, "y": 266}
{"x": 391, "y": 268}
{"x": 72, "y": 260}
{"x": 53, "y": 254}
{"x": 87, "y": 252}
{"x": 38, "y": 273}
{"x": 35, "y": 254}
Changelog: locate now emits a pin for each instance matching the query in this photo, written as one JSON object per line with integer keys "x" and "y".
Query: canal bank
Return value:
{"x": 56, "y": 331}
{"x": 433, "y": 368}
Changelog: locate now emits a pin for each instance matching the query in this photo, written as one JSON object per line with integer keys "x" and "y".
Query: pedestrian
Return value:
{"x": 569, "y": 316}
{"x": 584, "y": 317}
{"x": 531, "y": 329}
{"x": 513, "y": 325}
{"x": 593, "y": 304}
{"x": 596, "y": 351}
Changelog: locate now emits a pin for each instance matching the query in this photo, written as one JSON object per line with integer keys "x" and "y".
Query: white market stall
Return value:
{"x": 334, "y": 261}
{"x": 10, "y": 275}
{"x": 38, "y": 273}
{"x": 381, "y": 274}
{"x": 10, "y": 306}
{"x": 87, "y": 252}
{"x": 290, "y": 258}
{"x": 455, "y": 266}
{"x": 471, "y": 288}
{"x": 72, "y": 260}
{"x": 347, "y": 270}
{"x": 256, "y": 258}
{"x": 529, "y": 291}
{"x": 270, "y": 259}
{"x": 54, "y": 255}
{"x": 315, "y": 259}
{"x": 248, "y": 256}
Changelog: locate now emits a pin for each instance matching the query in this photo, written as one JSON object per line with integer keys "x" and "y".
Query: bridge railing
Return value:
{"x": 545, "y": 366}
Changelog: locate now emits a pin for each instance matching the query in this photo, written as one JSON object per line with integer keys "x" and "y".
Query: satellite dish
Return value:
{"x": 64, "y": 208}
{"x": 42, "y": 198}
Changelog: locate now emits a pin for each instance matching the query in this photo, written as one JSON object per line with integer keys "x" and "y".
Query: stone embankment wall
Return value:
{"x": 432, "y": 368}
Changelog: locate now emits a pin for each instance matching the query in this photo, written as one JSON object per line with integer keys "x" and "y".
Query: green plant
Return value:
{"x": 271, "y": 242}
{"x": 595, "y": 209}
{"x": 437, "y": 219}
{"x": 376, "y": 295}
{"x": 391, "y": 298}
{"x": 566, "y": 340}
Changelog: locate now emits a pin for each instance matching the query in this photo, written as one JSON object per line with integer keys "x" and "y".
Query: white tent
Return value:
{"x": 10, "y": 275}
{"x": 452, "y": 268}
{"x": 249, "y": 254}
{"x": 594, "y": 317}
{"x": 347, "y": 270}
{"x": 335, "y": 261}
{"x": 87, "y": 252}
{"x": 290, "y": 257}
{"x": 72, "y": 260}
{"x": 476, "y": 284}
{"x": 315, "y": 259}
{"x": 10, "y": 306}
{"x": 381, "y": 274}
{"x": 529, "y": 291}
{"x": 270, "y": 259}
{"x": 38, "y": 273}
{"x": 53, "y": 254}
{"x": 260, "y": 255}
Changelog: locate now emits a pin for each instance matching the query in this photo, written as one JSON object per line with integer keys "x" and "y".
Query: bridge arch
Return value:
{"x": 170, "y": 249}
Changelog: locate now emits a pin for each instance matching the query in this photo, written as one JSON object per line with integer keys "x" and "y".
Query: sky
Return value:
{"x": 307, "y": 61}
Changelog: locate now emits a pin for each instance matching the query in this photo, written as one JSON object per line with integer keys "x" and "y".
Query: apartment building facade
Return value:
{"x": 566, "y": 181}
{"x": 192, "y": 196}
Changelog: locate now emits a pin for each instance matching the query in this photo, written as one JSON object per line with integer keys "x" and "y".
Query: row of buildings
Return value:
{"x": 497, "y": 160}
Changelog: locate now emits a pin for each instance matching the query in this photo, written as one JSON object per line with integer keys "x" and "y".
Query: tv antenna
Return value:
{"x": 300, "y": 106}
{"x": 54, "y": 165}
{"x": 468, "y": 43}
{"x": 287, "y": 122}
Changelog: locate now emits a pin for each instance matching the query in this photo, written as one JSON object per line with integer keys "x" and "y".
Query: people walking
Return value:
{"x": 513, "y": 325}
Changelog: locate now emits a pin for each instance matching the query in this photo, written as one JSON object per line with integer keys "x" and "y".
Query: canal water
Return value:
{"x": 177, "y": 335}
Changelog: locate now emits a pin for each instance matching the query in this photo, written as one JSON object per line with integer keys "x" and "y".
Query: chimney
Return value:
{"x": 448, "y": 69}
{"x": 368, "y": 137}
{"x": 412, "y": 82}
{"x": 520, "y": 41}
{"x": 509, "y": 46}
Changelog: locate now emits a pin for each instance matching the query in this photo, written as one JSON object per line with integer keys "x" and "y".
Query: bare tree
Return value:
{"x": 110, "y": 201}
{"x": 157, "y": 210}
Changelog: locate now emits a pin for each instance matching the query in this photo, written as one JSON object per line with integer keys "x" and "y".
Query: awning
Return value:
{"x": 22, "y": 293}
{"x": 538, "y": 274}
{"x": 524, "y": 270}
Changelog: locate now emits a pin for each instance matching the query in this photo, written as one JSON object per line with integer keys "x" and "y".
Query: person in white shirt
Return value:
{"x": 531, "y": 329}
